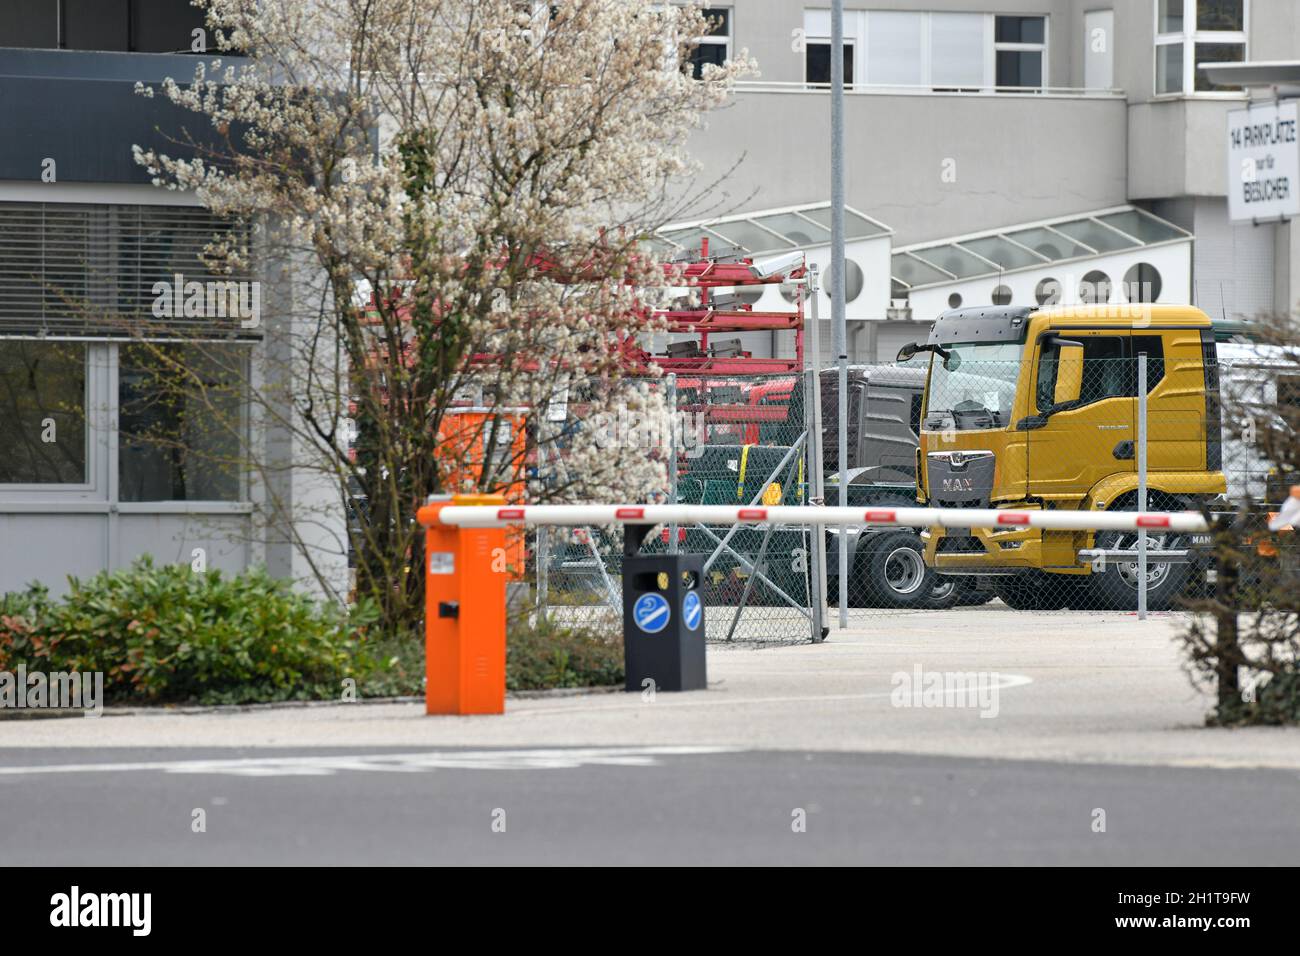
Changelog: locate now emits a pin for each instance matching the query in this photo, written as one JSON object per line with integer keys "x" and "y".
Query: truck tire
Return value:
{"x": 1116, "y": 588}
{"x": 974, "y": 593}
{"x": 1034, "y": 591}
{"x": 959, "y": 591}
{"x": 892, "y": 570}
{"x": 946, "y": 593}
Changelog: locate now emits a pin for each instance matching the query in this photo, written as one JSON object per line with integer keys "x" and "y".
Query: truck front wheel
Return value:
{"x": 1115, "y": 587}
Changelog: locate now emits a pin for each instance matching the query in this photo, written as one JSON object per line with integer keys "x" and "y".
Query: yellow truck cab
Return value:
{"x": 1036, "y": 407}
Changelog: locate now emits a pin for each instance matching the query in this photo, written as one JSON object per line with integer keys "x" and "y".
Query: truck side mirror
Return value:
{"x": 1069, "y": 373}
{"x": 906, "y": 352}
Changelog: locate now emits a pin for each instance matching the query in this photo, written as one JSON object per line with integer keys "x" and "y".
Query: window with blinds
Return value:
{"x": 118, "y": 271}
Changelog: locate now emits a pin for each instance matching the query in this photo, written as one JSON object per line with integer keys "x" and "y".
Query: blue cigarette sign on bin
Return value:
{"x": 691, "y": 609}
{"x": 651, "y": 613}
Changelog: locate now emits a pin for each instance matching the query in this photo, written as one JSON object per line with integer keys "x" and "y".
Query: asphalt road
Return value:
{"x": 627, "y": 805}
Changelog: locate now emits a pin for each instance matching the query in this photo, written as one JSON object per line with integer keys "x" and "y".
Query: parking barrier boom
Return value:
{"x": 478, "y": 516}
{"x": 465, "y": 619}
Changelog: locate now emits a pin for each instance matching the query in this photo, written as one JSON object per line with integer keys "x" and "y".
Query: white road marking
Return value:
{"x": 1004, "y": 682}
{"x": 327, "y": 765}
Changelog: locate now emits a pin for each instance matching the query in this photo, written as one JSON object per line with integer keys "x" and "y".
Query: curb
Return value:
{"x": 195, "y": 709}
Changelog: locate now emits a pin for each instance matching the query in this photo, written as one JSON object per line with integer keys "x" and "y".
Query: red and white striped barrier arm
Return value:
{"x": 490, "y": 516}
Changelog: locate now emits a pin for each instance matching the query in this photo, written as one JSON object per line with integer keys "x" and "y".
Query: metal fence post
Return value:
{"x": 1227, "y": 646}
{"x": 672, "y": 457}
{"x": 1142, "y": 482}
{"x": 543, "y": 539}
{"x": 838, "y": 286}
{"x": 817, "y": 491}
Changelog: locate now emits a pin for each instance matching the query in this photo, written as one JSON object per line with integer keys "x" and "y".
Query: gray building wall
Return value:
{"x": 1016, "y": 158}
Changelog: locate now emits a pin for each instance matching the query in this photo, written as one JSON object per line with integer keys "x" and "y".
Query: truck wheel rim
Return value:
{"x": 904, "y": 570}
{"x": 1157, "y": 571}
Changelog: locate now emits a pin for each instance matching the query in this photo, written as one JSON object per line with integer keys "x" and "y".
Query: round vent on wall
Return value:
{"x": 1095, "y": 287}
{"x": 853, "y": 280}
{"x": 1142, "y": 283}
{"x": 1047, "y": 292}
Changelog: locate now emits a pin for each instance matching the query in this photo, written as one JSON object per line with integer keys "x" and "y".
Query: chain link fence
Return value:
{"x": 739, "y": 440}
{"x": 1064, "y": 432}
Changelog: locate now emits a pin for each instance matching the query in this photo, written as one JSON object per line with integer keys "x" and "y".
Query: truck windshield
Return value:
{"x": 977, "y": 388}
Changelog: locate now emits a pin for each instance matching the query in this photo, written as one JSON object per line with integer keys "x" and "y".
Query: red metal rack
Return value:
{"x": 708, "y": 274}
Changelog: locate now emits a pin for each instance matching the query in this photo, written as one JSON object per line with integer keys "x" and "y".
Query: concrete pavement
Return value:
{"x": 1095, "y": 688}
{"x": 1083, "y": 742}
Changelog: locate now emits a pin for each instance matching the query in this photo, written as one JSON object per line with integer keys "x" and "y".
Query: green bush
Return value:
{"x": 169, "y": 635}
{"x": 541, "y": 654}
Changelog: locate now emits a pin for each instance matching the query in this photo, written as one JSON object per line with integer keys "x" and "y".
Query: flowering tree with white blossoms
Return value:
{"x": 457, "y": 189}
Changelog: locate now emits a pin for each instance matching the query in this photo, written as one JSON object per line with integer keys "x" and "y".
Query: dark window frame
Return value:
{"x": 188, "y": 465}
{"x": 717, "y": 39}
{"x": 850, "y": 60}
{"x": 80, "y": 418}
{"x": 1128, "y": 347}
{"x": 1021, "y": 49}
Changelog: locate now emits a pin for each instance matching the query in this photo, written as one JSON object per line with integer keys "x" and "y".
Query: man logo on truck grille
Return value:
{"x": 958, "y": 484}
{"x": 651, "y": 613}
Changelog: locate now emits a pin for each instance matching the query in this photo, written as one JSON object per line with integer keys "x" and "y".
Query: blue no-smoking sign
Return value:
{"x": 651, "y": 613}
{"x": 691, "y": 610}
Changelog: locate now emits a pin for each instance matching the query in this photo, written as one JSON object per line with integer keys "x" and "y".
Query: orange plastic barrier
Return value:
{"x": 465, "y": 612}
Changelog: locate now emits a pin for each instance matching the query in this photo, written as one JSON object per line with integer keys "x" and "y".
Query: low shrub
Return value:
{"x": 543, "y": 654}
{"x": 170, "y": 635}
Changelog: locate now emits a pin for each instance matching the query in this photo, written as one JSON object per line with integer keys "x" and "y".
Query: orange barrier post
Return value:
{"x": 464, "y": 612}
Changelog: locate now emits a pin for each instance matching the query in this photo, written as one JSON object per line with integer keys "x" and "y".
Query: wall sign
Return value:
{"x": 1263, "y": 162}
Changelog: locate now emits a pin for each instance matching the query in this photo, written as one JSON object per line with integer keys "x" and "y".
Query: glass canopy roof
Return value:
{"x": 1029, "y": 246}
{"x": 777, "y": 230}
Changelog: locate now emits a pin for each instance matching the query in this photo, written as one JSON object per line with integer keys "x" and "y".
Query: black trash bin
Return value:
{"x": 663, "y": 621}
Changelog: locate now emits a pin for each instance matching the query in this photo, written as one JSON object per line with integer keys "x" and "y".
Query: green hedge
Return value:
{"x": 171, "y": 635}
{"x": 541, "y": 655}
